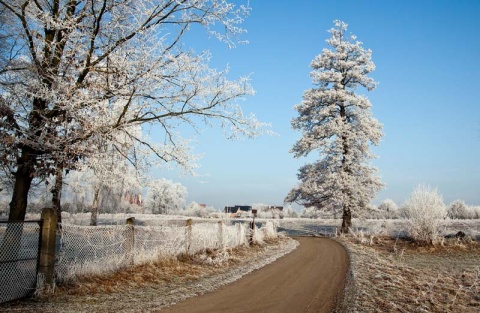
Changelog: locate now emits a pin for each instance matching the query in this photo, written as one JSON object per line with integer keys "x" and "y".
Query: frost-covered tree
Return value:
{"x": 164, "y": 196}
{"x": 74, "y": 70}
{"x": 337, "y": 122}
{"x": 103, "y": 179}
{"x": 388, "y": 209}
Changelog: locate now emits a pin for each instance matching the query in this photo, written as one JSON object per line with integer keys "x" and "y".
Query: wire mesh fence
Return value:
{"x": 19, "y": 252}
{"x": 93, "y": 250}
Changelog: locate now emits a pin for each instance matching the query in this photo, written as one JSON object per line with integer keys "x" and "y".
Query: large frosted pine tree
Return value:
{"x": 337, "y": 122}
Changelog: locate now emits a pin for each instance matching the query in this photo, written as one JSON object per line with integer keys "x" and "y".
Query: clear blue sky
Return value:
{"x": 427, "y": 57}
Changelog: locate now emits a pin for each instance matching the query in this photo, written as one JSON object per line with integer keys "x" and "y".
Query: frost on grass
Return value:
{"x": 397, "y": 276}
{"x": 155, "y": 285}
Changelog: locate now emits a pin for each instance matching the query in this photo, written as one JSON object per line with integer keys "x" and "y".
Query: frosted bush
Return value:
{"x": 459, "y": 210}
{"x": 475, "y": 212}
{"x": 269, "y": 230}
{"x": 389, "y": 209}
{"x": 425, "y": 211}
{"x": 198, "y": 210}
{"x": 310, "y": 212}
{"x": 290, "y": 212}
{"x": 257, "y": 236}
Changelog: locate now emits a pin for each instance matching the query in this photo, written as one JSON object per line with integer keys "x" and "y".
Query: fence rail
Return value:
{"x": 19, "y": 256}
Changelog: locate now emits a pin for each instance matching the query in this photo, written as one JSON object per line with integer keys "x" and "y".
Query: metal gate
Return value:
{"x": 19, "y": 255}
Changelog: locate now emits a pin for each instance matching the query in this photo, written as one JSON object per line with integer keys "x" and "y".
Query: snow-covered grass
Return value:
{"x": 396, "y": 275}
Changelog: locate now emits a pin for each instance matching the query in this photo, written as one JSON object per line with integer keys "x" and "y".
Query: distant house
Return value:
{"x": 237, "y": 210}
{"x": 275, "y": 207}
{"x": 133, "y": 198}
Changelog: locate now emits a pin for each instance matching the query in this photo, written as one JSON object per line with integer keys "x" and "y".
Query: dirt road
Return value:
{"x": 306, "y": 280}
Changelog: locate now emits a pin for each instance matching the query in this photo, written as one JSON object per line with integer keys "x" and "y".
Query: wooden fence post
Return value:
{"x": 252, "y": 231}
{"x": 188, "y": 236}
{"x": 130, "y": 241}
{"x": 46, "y": 264}
{"x": 221, "y": 235}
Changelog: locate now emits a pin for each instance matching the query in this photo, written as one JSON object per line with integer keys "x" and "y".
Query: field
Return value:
{"x": 395, "y": 275}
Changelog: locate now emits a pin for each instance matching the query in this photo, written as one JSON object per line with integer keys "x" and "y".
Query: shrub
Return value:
{"x": 459, "y": 210}
{"x": 290, "y": 212}
{"x": 309, "y": 212}
{"x": 425, "y": 211}
{"x": 475, "y": 211}
{"x": 389, "y": 209}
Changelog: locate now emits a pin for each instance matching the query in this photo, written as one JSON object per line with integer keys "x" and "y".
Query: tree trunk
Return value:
{"x": 18, "y": 207}
{"x": 57, "y": 194}
{"x": 94, "y": 216}
{"x": 346, "y": 221}
{"x": 23, "y": 182}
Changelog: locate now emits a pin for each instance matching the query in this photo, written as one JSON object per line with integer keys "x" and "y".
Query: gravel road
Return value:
{"x": 306, "y": 280}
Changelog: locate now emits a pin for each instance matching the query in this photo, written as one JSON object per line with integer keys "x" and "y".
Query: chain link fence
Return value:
{"x": 19, "y": 252}
{"x": 93, "y": 250}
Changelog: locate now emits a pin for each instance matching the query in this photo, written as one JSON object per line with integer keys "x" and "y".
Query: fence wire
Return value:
{"x": 86, "y": 250}
{"x": 19, "y": 249}
{"x": 93, "y": 250}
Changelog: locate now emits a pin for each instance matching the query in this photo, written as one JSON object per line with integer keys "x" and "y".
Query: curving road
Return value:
{"x": 306, "y": 280}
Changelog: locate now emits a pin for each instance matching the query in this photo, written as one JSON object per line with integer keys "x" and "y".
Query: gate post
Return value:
{"x": 47, "y": 246}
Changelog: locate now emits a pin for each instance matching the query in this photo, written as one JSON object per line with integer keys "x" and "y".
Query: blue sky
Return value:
{"x": 428, "y": 69}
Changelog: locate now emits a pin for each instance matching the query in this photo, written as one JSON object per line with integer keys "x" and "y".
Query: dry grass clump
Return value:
{"x": 394, "y": 275}
{"x": 182, "y": 268}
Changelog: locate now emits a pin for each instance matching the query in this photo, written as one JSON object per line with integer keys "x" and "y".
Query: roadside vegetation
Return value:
{"x": 399, "y": 275}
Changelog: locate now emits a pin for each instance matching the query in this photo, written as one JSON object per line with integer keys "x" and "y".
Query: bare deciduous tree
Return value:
{"x": 72, "y": 71}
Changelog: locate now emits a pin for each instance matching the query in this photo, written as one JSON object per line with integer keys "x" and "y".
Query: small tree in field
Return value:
{"x": 337, "y": 122}
{"x": 425, "y": 211}
{"x": 388, "y": 209}
{"x": 164, "y": 196}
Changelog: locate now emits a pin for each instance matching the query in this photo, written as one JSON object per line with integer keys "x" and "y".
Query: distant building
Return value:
{"x": 275, "y": 207}
{"x": 133, "y": 198}
{"x": 238, "y": 210}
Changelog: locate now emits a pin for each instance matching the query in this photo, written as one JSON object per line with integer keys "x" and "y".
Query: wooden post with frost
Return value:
{"x": 46, "y": 264}
{"x": 188, "y": 236}
{"x": 252, "y": 232}
{"x": 130, "y": 241}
